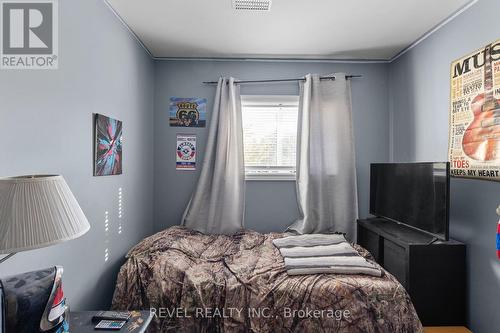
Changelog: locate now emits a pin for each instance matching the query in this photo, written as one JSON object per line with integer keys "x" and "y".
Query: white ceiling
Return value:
{"x": 322, "y": 29}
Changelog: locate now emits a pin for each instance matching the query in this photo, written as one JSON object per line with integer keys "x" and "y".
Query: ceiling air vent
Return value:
{"x": 254, "y": 5}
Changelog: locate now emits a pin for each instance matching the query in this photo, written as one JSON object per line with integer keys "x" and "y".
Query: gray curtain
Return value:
{"x": 326, "y": 168}
{"x": 217, "y": 205}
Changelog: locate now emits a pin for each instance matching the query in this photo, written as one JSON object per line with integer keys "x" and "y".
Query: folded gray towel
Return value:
{"x": 336, "y": 270}
{"x": 306, "y": 262}
{"x": 309, "y": 240}
{"x": 335, "y": 264}
{"x": 342, "y": 248}
{"x": 323, "y": 253}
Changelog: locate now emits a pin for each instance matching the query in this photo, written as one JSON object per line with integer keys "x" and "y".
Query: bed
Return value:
{"x": 216, "y": 283}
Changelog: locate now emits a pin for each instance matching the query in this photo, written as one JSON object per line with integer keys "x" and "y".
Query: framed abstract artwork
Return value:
{"x": 107, "y": 146}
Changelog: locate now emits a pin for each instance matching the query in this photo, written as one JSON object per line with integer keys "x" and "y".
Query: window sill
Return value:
{"x": 270, "y": 178}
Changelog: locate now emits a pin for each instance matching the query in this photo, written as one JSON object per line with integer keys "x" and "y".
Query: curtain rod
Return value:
{"x": 284, "y": 80}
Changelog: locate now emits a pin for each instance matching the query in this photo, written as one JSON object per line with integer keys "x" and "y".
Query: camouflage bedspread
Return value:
{"x": 213, "y": 283}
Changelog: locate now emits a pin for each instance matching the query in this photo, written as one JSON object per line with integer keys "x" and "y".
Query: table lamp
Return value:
{"x": 37, "y": 211}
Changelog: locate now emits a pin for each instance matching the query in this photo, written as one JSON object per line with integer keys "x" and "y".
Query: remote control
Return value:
{"x": 111, "y": 315}
{"x": 112, "y": 325}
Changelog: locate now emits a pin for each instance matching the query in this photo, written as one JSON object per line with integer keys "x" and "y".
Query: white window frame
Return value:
{"x": 270, "y": 173}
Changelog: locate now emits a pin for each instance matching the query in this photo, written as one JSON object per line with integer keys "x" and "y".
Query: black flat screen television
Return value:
{"x": 415, "y": 194}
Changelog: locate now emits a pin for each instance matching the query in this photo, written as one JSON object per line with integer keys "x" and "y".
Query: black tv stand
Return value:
{"x": 435, "y": 239}
{"x": 431, "y": 270}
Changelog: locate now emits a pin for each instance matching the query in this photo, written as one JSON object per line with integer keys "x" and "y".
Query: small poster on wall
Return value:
{"x": 107, "y": 146}
{"x": 188, "y": 112}
{"x": 186, "y": 152}
{"x": 474, "y": 142}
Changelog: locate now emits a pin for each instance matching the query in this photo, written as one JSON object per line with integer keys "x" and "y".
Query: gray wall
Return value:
{"x": 46, "y": 127}
{"x": 419, "y": 97}
{"x": 270, "y": 206}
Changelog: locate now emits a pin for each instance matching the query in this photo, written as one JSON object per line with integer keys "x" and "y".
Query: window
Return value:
{"x": 270, "y": 136}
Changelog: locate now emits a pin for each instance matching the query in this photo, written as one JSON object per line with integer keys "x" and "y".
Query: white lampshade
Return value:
{"x": 38, "y": 211}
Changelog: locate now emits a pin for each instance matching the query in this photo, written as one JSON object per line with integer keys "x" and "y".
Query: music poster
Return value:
{"x": 474, "y": 142}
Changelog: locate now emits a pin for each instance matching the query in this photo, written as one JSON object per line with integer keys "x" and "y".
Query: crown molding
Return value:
{"x": 122, "y": 21}
{"x": 321, "y": 60}
{"x": 435, "y": 29}
{"x": 343, "y": 61}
